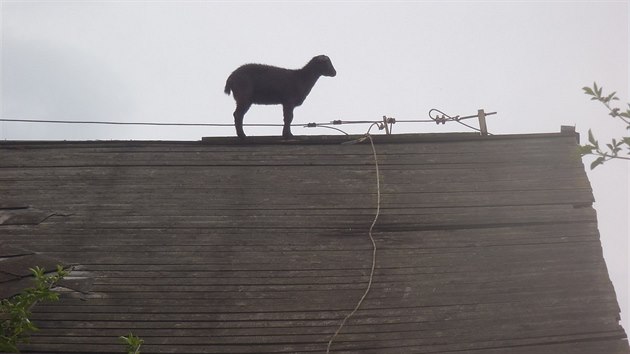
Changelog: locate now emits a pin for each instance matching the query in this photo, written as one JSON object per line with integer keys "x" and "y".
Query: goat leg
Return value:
{"x": 239, "y": 114}
{"x": 287, "y": 110}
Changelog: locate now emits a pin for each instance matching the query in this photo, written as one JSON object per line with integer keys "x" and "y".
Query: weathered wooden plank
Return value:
{"x": 420, "y": 321}
{"x": 263, "y": 238}
{"x": 430, "y": 344}
{"x": 349, "y": 340}
{"x": 489, "y": 150}
{"x": 518, "y": 254}
{"x": 19, "y": 266}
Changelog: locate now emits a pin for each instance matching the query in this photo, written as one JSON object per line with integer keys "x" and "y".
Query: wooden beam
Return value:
{"x": 481, "y": 114}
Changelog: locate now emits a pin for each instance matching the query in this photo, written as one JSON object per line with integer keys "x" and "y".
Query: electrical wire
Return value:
{"x": 435, "y": 115}
{"x": 373, "y": 267}
{"x": 326, "y": 126}
{"x": 136, "y": 123}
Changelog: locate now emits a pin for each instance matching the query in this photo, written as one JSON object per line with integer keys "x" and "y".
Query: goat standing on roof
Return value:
{"x": 264, "y": 84}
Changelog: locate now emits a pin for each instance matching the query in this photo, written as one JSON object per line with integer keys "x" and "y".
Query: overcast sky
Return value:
{"x": 167, "y": 61}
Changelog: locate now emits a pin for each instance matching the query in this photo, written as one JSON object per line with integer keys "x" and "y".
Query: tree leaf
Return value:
{"x": 598, "y": 161}
{"x": 598, "y": 91}
{"x": 588, "y": 91}
{"x": 585, "y": 149}
{"x": 591, "y": 138}
{"x": 614, "y": 112}
{"x": 8, "y": 347}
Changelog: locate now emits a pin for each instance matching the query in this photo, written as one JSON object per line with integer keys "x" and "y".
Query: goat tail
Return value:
{"x": 227, "y": 88}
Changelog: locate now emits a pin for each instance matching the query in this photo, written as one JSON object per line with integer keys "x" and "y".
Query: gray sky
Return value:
{"x": 167, "y": 61}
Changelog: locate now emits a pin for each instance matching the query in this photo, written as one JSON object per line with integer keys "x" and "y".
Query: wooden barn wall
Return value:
{"x": 484, "y": 246}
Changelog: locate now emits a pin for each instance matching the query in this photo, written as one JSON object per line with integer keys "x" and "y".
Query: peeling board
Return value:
{"x": 27, "y": 216}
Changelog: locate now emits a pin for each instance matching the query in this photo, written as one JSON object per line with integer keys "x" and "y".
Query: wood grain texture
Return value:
{"x": 485, "y": 245}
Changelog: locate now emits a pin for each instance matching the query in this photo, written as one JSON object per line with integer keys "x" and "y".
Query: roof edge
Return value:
{"x": 380, "y": 138}
{"x": 305, "y": 139}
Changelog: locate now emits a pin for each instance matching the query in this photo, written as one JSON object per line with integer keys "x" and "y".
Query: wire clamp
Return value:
{"x": 441, "y": 118}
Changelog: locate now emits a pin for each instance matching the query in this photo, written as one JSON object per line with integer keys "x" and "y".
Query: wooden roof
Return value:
{"x": 485, "y": 244}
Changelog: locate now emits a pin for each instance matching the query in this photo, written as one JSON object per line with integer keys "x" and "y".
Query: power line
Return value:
{"x": 133, "y": 123}
{"x": 387, "y": 123}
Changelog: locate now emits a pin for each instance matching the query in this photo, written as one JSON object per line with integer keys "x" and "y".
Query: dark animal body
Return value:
{"x": 265, "y": 84}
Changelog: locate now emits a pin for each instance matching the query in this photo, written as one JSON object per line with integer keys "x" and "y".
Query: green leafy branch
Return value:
{"x": 133, "y": 343}
{"x": 615, "y": 147}
{"x": 15, "y": 312}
